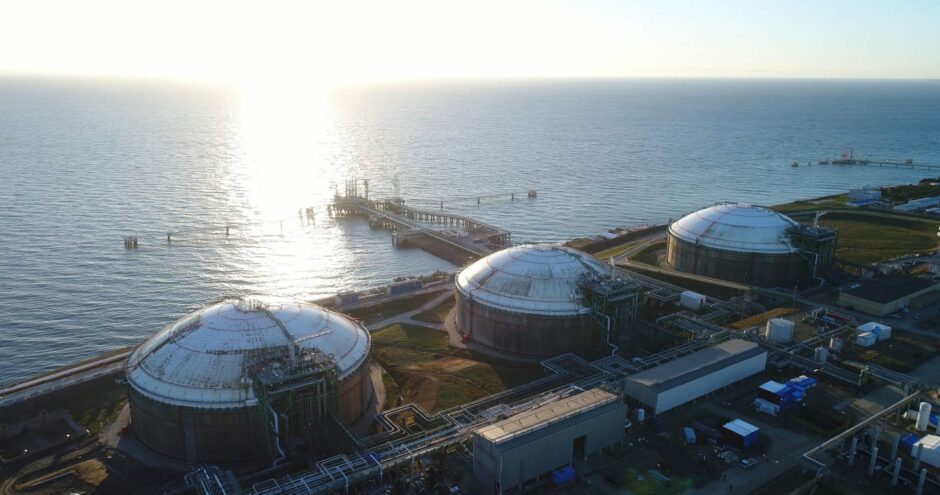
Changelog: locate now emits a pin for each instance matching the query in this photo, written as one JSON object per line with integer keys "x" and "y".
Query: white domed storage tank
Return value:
{"x": 736, "y": 242}
{"x": 524, "y": 300}
{"x": 194, "y": 387}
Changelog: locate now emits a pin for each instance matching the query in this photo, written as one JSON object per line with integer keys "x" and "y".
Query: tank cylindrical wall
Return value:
{"x": 763, "y": 269}
{"x": 527, "y": 334}
{"x": 355, "y": 391}
{"x": 199, "y": 435}
{"x": 227, "y": 435}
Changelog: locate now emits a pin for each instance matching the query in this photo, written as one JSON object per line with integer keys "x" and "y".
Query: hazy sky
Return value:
{"x": 365, "y": 41}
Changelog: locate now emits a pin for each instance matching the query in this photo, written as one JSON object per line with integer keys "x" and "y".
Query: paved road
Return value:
{"x": 786, "y": 452}
{"x": 62, "y": 379}
{"x": 406, "y": 317}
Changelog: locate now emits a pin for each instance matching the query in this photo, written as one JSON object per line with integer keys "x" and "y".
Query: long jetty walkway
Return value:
{"x": 461, "y": 238}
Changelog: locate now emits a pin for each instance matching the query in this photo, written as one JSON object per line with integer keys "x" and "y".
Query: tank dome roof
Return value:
{"x": 537, "y": 279}
{"x": 737, "y": 227}
{"x": 202, "y": 360}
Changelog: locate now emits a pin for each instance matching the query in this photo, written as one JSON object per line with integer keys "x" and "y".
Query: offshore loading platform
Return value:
{"x": 456, "y": 238}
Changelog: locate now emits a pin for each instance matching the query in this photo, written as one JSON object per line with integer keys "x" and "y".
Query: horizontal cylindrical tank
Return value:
{"x": 779, "y": 330}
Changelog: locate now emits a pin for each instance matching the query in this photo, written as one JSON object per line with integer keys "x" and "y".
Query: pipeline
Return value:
{"x": 613, "y": 347}
{"x": 277, "y": 439}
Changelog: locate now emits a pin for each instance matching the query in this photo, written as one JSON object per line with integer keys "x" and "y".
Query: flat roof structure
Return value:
{"x": 695, "y": 365}
{"x": 889, "y": 294}
{"x": 891, "y": 288}
{"x": 546, "y": 415}
{"x": 740, "y": 427}
{"x": 773, "y": 387}
{"x": 685, "y": 379}
{"x": 515, "y": 453}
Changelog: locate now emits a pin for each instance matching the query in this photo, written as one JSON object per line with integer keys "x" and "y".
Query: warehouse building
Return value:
{"x": 682, "y": 380}
{"x": 525, "y": 447}
{"x": 236, "y": 381}
{"x": 892, "y": 293}
{"x": 748, "y": 244}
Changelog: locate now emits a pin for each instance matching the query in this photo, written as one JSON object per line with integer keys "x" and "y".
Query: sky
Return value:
{"x": 362, "y": 41}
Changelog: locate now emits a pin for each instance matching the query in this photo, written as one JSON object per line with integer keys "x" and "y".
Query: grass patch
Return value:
{"x": 422, "y": 368}
{"x": 614, "y": 251}
{"x": 418, "y": 338}
{"x": 650, "y": 254}
{"x": 93, "y": 404}
{"x": 877, "y": 239}
{"x": 908, "y": 192}
{"x": 392, "y": 392}
{"x": 814, "y": 204}
{"x": 438, "y": 313}
{"x": 391, "y": 308}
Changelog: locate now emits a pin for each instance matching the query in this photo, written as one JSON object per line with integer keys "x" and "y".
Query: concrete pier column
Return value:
{"x": 896, "y": 472}
{"x": 894, "y": 445}
{"x": 852, "y": 449}
{"x": 920, "y": 481}
{"x": 872, "y": 461}
{"x": 874, "y": 436}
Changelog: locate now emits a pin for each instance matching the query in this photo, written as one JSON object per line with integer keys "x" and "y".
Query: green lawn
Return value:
{"x": 391, "y": 308}
{"x": 650, "y": 254}
{"x": 438, "y": 313}
{"x": 422, "y": 368}
{"x": 868, "y": 241}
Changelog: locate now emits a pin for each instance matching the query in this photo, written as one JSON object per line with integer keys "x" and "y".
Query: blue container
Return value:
{"x": 908, "y": 442}
{"x": 563, "y": 475}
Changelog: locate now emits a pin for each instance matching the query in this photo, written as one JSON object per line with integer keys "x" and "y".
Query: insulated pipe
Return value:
{"x": 894, "y": 446}
{"x": 896, "y": 472}
{"x": 852, "y": 449}
{"x": 277, "y": 438}
{"x": 613, "y": 348}
{"x": 920, "y": 481}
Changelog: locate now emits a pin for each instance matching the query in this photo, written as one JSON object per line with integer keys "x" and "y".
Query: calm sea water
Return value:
{"x": 83, "y": 163}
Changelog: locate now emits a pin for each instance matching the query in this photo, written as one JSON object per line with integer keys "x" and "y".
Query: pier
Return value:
{"x": 847, "y": 157}
{"x": 460, "y": 239}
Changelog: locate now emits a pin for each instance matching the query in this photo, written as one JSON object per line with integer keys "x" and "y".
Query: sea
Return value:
{"x": 86, "y": 162}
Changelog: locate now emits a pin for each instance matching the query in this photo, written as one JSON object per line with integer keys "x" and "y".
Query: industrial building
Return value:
{"x": 531, "y": 444}
{"x": 748, "y": 244}
{"x": 682, "y": 380}
{"x": 237, "y": 381}
{"x": 892, "y": 293}
{"x": 541, "y": 301}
